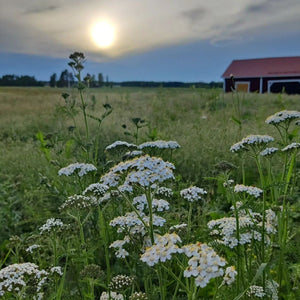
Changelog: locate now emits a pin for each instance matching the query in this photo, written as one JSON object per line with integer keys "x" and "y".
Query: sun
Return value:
{"x": 103, "y": 34}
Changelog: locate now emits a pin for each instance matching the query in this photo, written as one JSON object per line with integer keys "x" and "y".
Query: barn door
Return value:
{"x": 243, "y": 87}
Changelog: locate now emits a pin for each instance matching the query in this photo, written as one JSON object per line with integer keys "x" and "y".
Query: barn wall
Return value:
{"x": 254, "y": 83}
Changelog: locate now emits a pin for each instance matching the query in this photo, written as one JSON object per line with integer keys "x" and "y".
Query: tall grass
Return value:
{"x": 41, "y": 132}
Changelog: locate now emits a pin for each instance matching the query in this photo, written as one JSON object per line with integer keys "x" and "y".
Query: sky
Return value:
{"x": 154, "y": 40}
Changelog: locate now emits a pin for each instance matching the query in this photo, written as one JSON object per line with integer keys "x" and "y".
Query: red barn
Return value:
{"x": 264, "y": 75}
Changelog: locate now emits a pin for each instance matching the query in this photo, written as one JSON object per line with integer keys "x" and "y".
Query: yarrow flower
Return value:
{"x": 256, "y": 291}
{"x": 97, "y": 189}
{"x": 228, "y": 183}
{"x": 111, "y": 296}
{"x": 80, "y": 202}
{"x": 32, "y": 247}
{"x": 51, "y": 225}
{"x": 164, "y": 191}
{"x": 15, "y": 278}
{"x": 162, "y": 249}
{"x": 157, "y": 205}
{"x": 268, "y": 151}
{"x": 291, "y": 147}
{"x": 251, "y": 140}
{"x": 283, "y": 116}
{"x": 120, "y": 144}
{"x": 178, "y": 227}
{"x": 251, "y": 190}
{"x": 92, "y": 271}
{"x": 118, "y": 245}
{"x": 120, "y": 282}
{"x": 56, "y": 270}
{"x": 230, "y": 274}
{"x": 143, "y": 171}
{"x": 82, "y": 169}
{"x": 160, "y": 144}
{"x": 138, "y": 296}
{"x": 204, "y": 263}
{"x": 225, "y": 228}
{"x": 192, "y": 193}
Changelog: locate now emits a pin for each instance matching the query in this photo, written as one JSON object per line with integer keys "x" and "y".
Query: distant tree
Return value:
{"x": 100, "y": 80}
{"x": 52, "y": 81}
{"x": 107, "y": 81}
{"x": 93, "y": 82}
{"x": 66, "y": 79}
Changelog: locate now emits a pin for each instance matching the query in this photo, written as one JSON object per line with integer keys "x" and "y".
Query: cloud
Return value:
{"x": 59, "y": 27}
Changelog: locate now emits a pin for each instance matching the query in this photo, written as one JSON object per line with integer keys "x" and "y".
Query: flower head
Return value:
{"x": 251, "y": 141}
{"x": 283, "y": 116}
{"x": 193, "y": 193}
{"x": 51, "y": 225}
{"x": 81, "y": 168}
{"x": 251, "y": 190}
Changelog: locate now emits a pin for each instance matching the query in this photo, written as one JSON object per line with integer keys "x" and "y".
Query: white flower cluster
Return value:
{"x": 138, "y": 296}
{"x": 272, "y": 289}
{"x": 120, "y": 282}
{"x": 228, "y": 183}
{"x": 162, "y": 250}
{"x": 164, "y": 191}
{"x": 111, "y": 296}
{"x": 283, "y": 116}
{"x": 14, "y": 277}
{"x": 143, "y": 171}
{"x": 178, "y": 227}
{"x": 268, "y": 151}
{"x": 32, "y": 247}
{"x": 271, "y": 222}
{"x": 160, "y": 144}
{"x": 134, "y": 153}
{"x": 291, "y": 146}
{"x": 256, "y": 291}
{"x": 226, "y": 229}
{"x": 192, "y": 193}
{"x": 118, "y": 245}
{"x": 97, "y": 189}
{"x": 56, "y": 270}
{"x": 251, "y": 190}
{"x": 204, "y": 263}
{"x": 251, "y": 140}
{"x": 82, "y": 169}
{"x": 130, "y": 222}
{"x": 120, "y": 144}
{"x": 133, "y": 224}
{"x": 51, "y": 225}
{"x": 157, "y": 205}
{"x": 80, "y": 202}
{"x": 229, "y": 276}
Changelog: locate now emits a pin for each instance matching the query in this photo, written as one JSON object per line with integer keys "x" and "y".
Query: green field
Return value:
{"x": 41, "y": 132}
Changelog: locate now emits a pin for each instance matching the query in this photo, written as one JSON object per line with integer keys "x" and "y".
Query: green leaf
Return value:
{"x": 233, "y": 118}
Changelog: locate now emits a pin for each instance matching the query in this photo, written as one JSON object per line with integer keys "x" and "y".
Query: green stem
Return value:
{"x": 104, "y": 234}
{"x": 84, "y": 114}
{"x": 189, "y": 221}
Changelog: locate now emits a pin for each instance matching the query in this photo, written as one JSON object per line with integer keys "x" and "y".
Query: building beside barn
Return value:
{"x": 264, "y": 75}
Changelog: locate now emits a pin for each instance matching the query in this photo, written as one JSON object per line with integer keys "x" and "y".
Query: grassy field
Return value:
{"x": 41, "y": 132}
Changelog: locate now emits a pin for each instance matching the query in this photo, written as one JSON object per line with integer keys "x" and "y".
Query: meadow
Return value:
{"x": 128, "y": 193}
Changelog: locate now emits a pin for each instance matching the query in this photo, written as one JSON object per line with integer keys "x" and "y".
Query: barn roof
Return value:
{"x": 264, "y": 67}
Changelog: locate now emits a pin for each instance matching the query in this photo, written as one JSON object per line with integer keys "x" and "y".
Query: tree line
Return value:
{"x": 14, "y": 80}
{"x": 66, "y": 79}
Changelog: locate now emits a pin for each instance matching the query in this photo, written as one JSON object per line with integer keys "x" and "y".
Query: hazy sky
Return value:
{"x": 185, "y": 40}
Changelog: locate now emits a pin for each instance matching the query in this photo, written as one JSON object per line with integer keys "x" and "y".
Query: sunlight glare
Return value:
{"x": 103, "y": 34}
